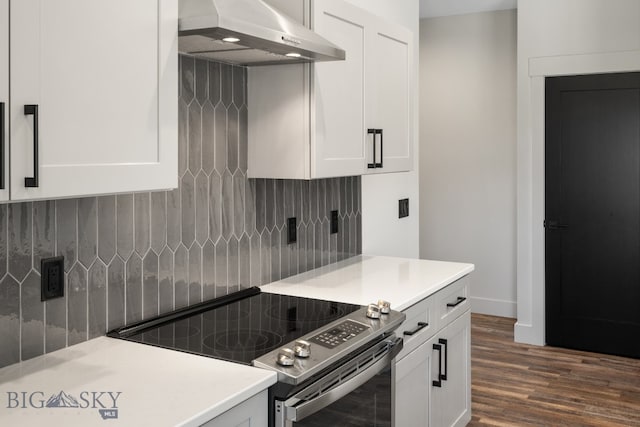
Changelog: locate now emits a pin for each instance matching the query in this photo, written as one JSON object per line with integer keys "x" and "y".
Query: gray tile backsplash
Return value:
{"x": 133, "y": 256}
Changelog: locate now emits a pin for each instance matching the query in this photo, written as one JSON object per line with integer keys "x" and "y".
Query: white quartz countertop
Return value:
{"x": 156, "y": 387}
{"x": 365, "y": 279}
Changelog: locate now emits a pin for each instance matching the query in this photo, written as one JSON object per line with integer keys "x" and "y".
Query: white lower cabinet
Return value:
{"x": 433, "y": 378}
{"x": 250, "y": 413}
{"x": 413, "y": 387}
{"x": 451, "y": 402}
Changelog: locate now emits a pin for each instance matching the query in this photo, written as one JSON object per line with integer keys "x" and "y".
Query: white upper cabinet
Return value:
{"x": 4, "y": 97}
{"x": 388, "y": 101}
{"x": 93, "y": 96}
{"x": 312, "y": 120}
{"x": 338, "y": 93}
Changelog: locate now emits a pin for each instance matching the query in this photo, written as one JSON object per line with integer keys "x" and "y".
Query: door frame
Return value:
{"x": 530, "y": 326}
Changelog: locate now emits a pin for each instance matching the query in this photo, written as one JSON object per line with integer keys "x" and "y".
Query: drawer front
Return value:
{"x": 419, "y": 326}
{"x": 452, "y": 301}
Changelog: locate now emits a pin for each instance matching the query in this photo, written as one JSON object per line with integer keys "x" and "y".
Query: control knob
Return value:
{"x": 373, "y": 311}
{"x": 302, "y": 348}
{"x": 385, "y": 306}
{"x": 285, "y": 357}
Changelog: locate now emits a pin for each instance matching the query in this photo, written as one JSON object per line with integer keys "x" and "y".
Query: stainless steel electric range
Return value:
{"x": 334, "y": 360}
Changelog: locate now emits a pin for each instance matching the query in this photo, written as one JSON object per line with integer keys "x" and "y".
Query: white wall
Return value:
{"x": 468, "y": 150}
{"x": 570, "y": 34}
{"x": 383, "y": 233}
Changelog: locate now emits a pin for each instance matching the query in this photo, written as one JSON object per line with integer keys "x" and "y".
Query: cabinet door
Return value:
{"x": 453, "y": 399}
{"x": 414, "y": 375}
{"x": 104, "y": 77}
{"x": 389, "y": 70}
{"x": 338, "y": 96}
{"x": 250, "y": 413}
{"x": 278, "y": 118}
{"x": 4, "y": 98}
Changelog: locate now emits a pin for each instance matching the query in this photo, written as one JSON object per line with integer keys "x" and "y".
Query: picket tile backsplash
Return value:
{"x": 134, "y": 256}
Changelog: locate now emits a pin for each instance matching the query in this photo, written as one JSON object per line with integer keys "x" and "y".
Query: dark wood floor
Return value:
{"x": 522, "y": 385}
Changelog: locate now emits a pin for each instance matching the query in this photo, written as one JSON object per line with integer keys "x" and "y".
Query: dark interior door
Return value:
{"x": 592, "y": 211}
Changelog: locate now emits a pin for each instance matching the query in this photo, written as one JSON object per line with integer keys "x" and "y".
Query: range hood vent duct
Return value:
{"x": 248, "y": 32}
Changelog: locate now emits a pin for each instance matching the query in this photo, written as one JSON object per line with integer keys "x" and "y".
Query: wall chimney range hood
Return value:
{"x": 248, "y": 32}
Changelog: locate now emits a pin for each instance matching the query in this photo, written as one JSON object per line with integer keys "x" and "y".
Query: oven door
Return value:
{"x": 358, "y": 393}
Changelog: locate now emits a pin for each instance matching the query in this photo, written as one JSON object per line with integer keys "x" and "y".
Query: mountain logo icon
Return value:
{"x": 62, "y": 400}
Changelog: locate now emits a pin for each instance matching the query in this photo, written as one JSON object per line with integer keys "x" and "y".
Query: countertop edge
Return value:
{"x": 240, "y": 397}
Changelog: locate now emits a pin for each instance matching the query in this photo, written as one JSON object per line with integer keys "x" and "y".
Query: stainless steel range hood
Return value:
{"x": 248, "y": 32}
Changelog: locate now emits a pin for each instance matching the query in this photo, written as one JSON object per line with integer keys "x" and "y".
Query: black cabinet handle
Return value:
{"x": 554, "y": 225}
{"x": 32, "y": 110}
{"x": 444, "y": 343}
{"x": 379, "y": 165}
{"x": 459, "y": 301}
{"x": 2, "y": 131}
{"x": 438, "y": 382}
{"x": 375, "y": 164}
{"x": 372, "y": 132}
{"x": 421, "y": 325}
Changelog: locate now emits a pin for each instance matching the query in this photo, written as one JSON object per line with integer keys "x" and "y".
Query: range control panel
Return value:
{"x": 339, "y": 334}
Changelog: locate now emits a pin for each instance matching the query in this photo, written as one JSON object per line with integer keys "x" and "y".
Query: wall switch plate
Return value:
{"x": 292, "y": 228}
{"x": 52, "y": 278}
{"x": 334, "y": 222}
{"x": 403, "y": 208}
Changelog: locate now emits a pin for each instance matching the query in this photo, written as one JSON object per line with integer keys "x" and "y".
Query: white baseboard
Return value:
{"x": 493, "y": 307}
{"x": 527, "y": 334}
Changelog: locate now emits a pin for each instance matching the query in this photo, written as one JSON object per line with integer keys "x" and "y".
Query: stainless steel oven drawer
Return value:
{"x": 357, "y": 390}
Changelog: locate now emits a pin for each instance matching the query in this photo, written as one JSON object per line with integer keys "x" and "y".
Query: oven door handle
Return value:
{"x": 303, "y": 410}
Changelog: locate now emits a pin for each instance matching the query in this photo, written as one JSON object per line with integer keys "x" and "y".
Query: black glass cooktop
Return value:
{"x": 240, "y": 330}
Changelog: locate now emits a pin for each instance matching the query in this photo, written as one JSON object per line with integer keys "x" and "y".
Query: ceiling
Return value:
{"x": 432, "y": 8}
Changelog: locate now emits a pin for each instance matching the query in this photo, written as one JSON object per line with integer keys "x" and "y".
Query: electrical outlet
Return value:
{"x": 292, "y": 228}
{"x": 403, "y": 208}
{"x": 334, "y": 222}
{"x": 52, "y": 278}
